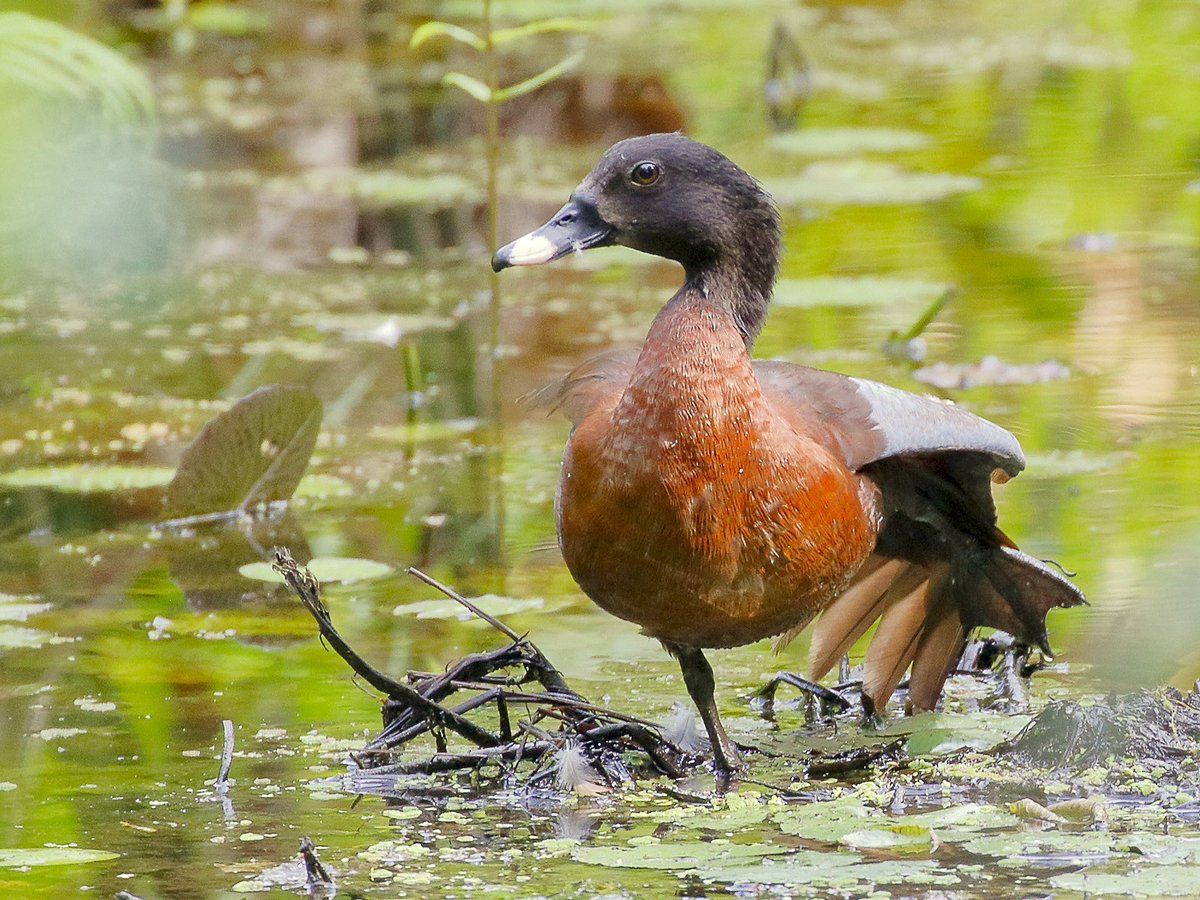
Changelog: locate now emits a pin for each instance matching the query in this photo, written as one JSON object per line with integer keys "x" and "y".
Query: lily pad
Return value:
{"x": 53, "y": 856}
{"x": 1157, "y": 881}
{"x": 832, "y": 870}
{"x": 425, "y": 431}
{"x": 1063, "y": 846}
{"x": 322, "y": 486}
{"x": 254, "y": 452}
{"x": 325, "y": 569}
{"x": 846, "y": 141}
{"x": 230, "y": 19}
{"x": 449, "y": 609}
{"x": 829, "y": 821}
{"x": 88, "y": 479}
{"x": 12, "y": 637}
{"x": 989, "y": 371}
{"x": 897, "y": 838}
{"x": 1062, "y": 463}
{"x": 674, "y": 855}
{"x": 380, "y": 328}
{"x": 19, "y": 609}
{"x": 382, "y": 188}
{"x": 834, "y": 290}
{"x": 867, "y": 183}
{"x": 803, "y": 867}
{"x": 941, "y": 733}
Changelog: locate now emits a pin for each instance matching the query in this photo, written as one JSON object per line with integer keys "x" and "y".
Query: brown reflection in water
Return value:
{"x": 1139, "y": 324}
{"x": 1139, "y": 329}
{"x": 591, "y": 109}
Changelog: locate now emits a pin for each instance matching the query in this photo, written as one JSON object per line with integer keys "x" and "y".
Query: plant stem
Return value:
{"x": 492, "y": 115}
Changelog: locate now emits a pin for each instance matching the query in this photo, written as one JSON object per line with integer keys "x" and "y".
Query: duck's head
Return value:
{"x": 673, "y": 197}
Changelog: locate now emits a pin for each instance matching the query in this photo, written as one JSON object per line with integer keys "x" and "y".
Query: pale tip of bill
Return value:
{"x": 530, "y": 250}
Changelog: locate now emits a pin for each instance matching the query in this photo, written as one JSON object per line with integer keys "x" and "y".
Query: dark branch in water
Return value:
{"x": 517, "y": 673}
{"x": 226, "y": 754}
{"x": 315, "y": 873}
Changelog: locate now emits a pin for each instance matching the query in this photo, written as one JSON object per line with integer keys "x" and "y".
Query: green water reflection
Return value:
{"x": 272, "y": 240}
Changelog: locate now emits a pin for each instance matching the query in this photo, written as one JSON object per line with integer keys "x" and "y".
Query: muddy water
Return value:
{"x": 314, "y": 215}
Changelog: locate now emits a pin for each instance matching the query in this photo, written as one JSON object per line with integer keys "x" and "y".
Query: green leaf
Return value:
{"x": 53, "y": 856}
{"x": 542, "y": 26}
{"x": 542, "y": 78}
{"x": 472, "y": 86}
{"x": 13, "y": 637}
{"x": 430, "y": 30}
{"x": 88, "y": 479}
{"x": 450, "y": 609}
{"x": 675, "y": 854}
{"x": 867, "y": 183}
{"x": 837, "y": 290}
{"x": 45, "y": 57}
{"x": 816, "y": 141}
{"x": 325, "y": 569}
{"x": 230, "y": 19}
{"x": 254, "y": 452}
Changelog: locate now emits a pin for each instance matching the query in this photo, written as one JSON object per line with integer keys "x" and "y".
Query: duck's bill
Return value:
{"x": 577, "y": 226}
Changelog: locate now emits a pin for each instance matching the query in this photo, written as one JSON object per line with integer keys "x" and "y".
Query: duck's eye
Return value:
{"x": 645, "y": 173}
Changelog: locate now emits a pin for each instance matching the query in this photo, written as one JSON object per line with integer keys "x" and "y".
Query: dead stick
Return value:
{"x": 314, "y": 872}
{"x": 226, "y": 755}
{"x": 459, "y": 598}
{"x": 446, "y": 762}
{"x": 307, "y": 589}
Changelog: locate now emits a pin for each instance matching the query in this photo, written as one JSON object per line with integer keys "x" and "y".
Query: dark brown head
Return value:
{"x": 673, "y": 197}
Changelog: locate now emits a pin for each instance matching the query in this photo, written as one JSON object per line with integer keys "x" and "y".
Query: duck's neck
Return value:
{"x": 738, "y": 288}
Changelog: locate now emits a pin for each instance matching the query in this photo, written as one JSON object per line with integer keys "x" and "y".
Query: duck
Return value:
{"x": 716, "y": 500}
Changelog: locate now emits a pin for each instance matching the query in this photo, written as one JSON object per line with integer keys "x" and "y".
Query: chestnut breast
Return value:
{"x": 692, "y": 505}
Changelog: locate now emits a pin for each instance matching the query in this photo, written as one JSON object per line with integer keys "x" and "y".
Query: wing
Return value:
{"x": 941, "y": 566}
{"x": 589, "y": 385}
{"x": 875, "y": 426}
{"x": 868, "y": 421}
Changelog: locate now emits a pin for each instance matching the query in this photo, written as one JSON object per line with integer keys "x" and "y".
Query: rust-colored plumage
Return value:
{"x": 717, "y": 500}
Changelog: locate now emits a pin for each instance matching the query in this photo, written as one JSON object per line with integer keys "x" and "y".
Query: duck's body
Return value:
{"x": 693, "y": 505}
{"x": 716, "y": 500}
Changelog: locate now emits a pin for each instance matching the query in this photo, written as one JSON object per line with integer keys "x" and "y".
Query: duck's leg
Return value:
{"x": 698, "y": 676}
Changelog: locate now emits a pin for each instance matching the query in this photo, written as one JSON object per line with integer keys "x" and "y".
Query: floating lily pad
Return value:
{"x": 376, "y": 327}
{"x": 897, "y": 838}
{"x": 1061, "y": 463}
{"x": 1064, "y": 846}
{"x": 322, "y": 486}
{"x": 324, "y": 568}
{"x": 940, "y": 733}
{"x": 425, "y": 431}
{"x": 53, "y": 856}
{"x": 383, "y": 188}
{"x": 803, "y": 867}
{"x": 12, "y": 637}
{"x": 305, "y": 351}
{"x": 18, "y": 609}
{"x": 832, "y": 870}
{"x": 674, "y": 855}
{"x": 88, "y": 479}
{"x": 235, "y": 20}
{"x": 867, "y": 183}
{"x": 847, "y": 141}
{"x": 449, "y": 609}
{"x": 989, "y": 371}
{"x": 1156, "y": 881}
{"x": 833, "y": 290}
{"x": 829, "y": 821}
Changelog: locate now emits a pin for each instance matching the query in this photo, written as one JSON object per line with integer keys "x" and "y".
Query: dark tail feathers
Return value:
{"x": 925, "y": 610}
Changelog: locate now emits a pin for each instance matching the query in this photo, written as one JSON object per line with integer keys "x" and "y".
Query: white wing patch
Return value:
{"x": 911, "y": 423}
